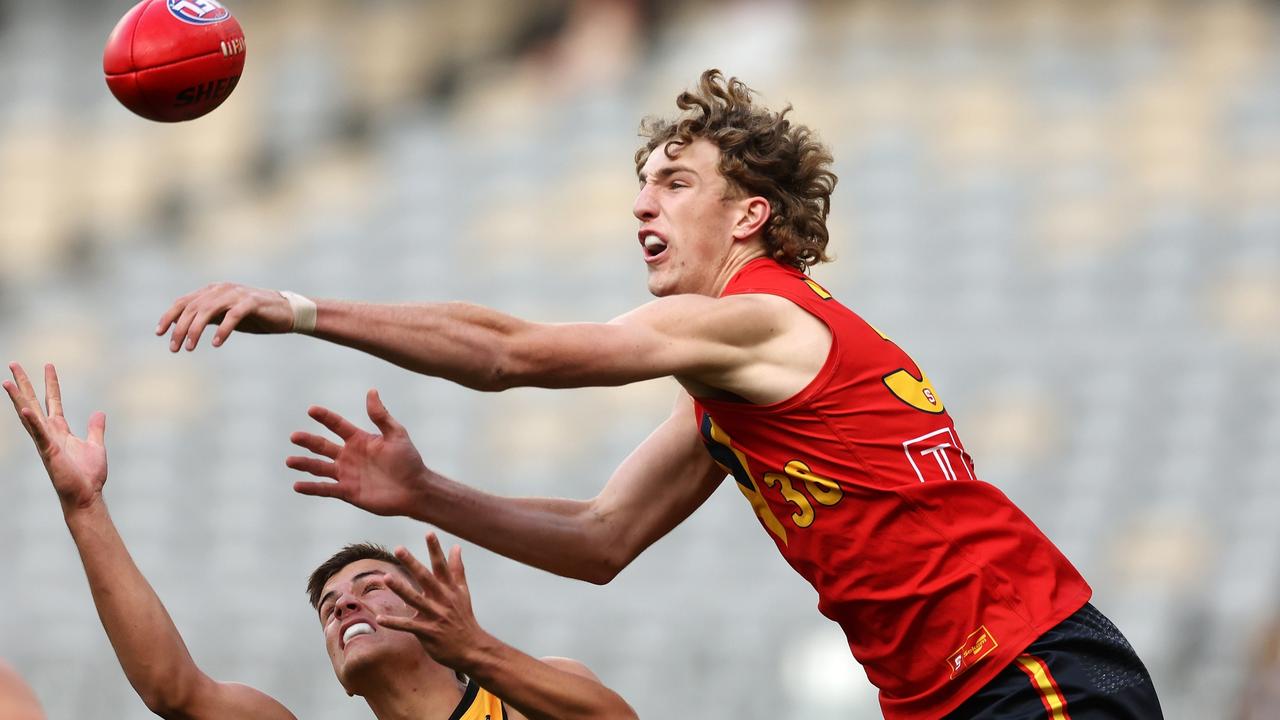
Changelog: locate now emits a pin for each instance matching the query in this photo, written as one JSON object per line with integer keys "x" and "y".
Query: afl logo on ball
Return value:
{"x": 198, "y": 12}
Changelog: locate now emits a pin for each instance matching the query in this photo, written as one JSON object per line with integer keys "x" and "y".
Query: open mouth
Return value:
{"x": 355, "y": 631}
{"x": 654, "y": 246}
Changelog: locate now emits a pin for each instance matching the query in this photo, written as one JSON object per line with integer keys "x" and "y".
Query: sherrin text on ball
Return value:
{"x": 174, "y": 60}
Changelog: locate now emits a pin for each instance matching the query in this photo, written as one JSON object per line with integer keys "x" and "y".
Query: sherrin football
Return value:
{"x": 174, "y": 60}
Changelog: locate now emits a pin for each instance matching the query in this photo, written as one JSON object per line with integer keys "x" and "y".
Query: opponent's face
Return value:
{"x": 686, "y": 220}
{"x": 349, "y": 602}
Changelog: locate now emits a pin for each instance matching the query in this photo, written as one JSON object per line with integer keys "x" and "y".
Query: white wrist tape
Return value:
{"x": 304, "y": 312}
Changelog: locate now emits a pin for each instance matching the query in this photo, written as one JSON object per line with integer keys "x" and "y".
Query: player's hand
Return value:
{"x": 230, "y": 307}
{"x": 382, "y": 473}
{"x": 78, "y": 468}
{"x": 17, "y": 700}
{"x": 445, "y": 623}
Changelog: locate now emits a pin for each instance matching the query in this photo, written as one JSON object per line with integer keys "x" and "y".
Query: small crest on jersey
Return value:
{"x": 978, "y": 645}
{"x": 198, "y": 12}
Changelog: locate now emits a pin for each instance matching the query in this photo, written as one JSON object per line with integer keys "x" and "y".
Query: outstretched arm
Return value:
{"x": 552, "y": 689}
{"x": 663, "y": 481}
{"x": 148, "y": 645}
{"x": 709, "y": 340}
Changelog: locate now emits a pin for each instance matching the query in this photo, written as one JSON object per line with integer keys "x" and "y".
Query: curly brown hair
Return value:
{"x": 761, "y": 153}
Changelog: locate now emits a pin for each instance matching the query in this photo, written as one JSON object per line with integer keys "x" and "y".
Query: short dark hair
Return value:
{"x": 343, "y": 558}
{"x": 761, "y": 153}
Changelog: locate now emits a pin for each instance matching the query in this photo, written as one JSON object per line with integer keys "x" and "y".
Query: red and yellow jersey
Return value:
{"x": 936, "y": 578}
{"x": 478, "y": 704}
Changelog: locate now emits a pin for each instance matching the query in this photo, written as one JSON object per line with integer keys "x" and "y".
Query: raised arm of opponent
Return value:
{"x": 759, "y": 347}
{"x": 148, "y": 645}
{"x": 662, "y": 482}
{"x": 536, "y": 689}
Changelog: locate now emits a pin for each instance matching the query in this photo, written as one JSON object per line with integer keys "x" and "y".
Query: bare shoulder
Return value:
{"x": 744, "y": 319}
{"x": 560, "y": 663}
{"x": 233, "y": 699}
{"x": 570, "y": 665}
{"x": 765, "y": 307}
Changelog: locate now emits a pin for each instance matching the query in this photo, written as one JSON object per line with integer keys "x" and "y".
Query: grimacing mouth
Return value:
{"x": 353, "y": 628}
{"x": 653, "y": 243}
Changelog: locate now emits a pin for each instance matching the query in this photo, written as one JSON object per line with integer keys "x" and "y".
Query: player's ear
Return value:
{"x": 755, "y": 213}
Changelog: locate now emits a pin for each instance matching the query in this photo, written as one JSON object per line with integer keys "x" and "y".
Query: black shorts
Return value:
{"x": 1081, "y": 669}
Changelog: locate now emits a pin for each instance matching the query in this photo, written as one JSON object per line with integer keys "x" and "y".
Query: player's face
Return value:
{"x": 686, "y": 220}
{"x": 349, "y": 602}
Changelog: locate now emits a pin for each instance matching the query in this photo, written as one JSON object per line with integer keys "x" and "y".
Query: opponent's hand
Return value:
{"x": 382, "y": 473}
{"x": 231, "y": 307}
{"x": 17, "y": 700}
{"x": 445, "y": 623}
{"x": 78, "y": 468}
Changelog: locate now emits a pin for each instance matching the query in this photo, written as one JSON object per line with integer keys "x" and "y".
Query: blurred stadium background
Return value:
{"x": 1067, "y": 211}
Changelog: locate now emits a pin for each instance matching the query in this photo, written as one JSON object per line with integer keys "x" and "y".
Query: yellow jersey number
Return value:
{"x": 794, "y": 476}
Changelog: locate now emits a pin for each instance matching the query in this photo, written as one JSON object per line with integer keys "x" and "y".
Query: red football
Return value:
{"x": 174, "y": 60}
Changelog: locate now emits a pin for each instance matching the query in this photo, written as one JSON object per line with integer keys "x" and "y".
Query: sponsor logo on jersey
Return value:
{"x": 198, "y": 12}
{"x": 978, "y": 645}
{"x": 937, "y": 456}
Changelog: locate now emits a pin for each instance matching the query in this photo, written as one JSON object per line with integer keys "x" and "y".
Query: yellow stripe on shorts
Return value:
{"x": 1043, "y": 681}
